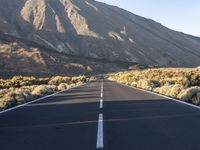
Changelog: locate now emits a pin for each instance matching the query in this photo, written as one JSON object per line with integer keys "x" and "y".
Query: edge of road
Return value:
{"x": 42, "y": 98}
{"x": 174, "y": 99}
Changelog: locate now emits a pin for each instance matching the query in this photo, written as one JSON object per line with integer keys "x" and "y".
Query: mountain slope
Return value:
{"x": 97, "y": 30}
{"x": 21, "y": 57}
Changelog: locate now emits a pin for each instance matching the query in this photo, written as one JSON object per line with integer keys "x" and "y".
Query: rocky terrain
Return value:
{"x": 27, "y": 58}
{"x": 63, "y": 34}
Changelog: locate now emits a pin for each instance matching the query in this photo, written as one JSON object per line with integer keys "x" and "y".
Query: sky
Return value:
{"x": 179, "y": 15}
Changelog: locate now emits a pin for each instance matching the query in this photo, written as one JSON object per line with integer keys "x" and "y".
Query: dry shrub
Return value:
{"x": 92, "y": 78}
{"x": 15, "y": 97}
{"x": 62, "y": 86}
{"x": 44, "y": 90}
{"x": 79, "y": 83}
{"x": 19, "y": 81}
{"x": 79, "y": 79}
{"x": 69, "y": 80}
{"x": 165, "y": 90}
{"x": 148, "y": 84}
{"x": 8, "y": 101}
{"x": 196, "y": 98}
{"x": 126, "y": 78}
{"x": 170, "y": 90}
{"x": 59, "y": 79}
{"x": 3, "y": 92}
{"x": 175, "y": 90}
{"x": 182, "y": 83}
{"x": 19, "y": 90}
{"x": 190, "y": 95}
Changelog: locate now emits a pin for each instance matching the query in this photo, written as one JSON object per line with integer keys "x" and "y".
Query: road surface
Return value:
{"x": 101, "y": 115}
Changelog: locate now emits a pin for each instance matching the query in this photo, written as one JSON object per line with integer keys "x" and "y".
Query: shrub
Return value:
{"x": 62, "y": 86}
{"x": 3, "y": 92}
{"x": 78, "y": 79}
{"x": 190, "y": 94}
{"x": 175, "y": 90}
{"x": 196, "y": 98}
{"x": 148, "y": 84}
{"x": 19, "y": 81}
{"x": 182, "y": 83}
{"x": 58, "y": 79}
{"x": 20, "y": 89}
{"x": 44, "y": 90}
{"x": 15, "y": 97}
{"x": 92, "y": 78}
{"x": 165, "y": 90}
{"x": 8, "y": 101}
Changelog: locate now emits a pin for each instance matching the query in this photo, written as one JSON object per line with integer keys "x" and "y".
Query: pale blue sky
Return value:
{"x": 180, "y": 15}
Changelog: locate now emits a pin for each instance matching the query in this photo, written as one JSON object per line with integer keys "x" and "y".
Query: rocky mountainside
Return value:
{"x": 96, "y": 30}
{"x": 21, "y": 57}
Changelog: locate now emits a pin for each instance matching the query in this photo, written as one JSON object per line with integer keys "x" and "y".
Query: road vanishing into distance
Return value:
{"x": 101, "y": 115}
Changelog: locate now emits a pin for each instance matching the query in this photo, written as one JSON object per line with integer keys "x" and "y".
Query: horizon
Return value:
{"x": 177, "y": 15}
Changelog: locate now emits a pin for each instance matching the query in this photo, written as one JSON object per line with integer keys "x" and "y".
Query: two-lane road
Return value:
{"x": 100, "y": 115}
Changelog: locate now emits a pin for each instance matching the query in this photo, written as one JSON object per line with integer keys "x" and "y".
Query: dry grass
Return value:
{"x": 181, "y": 83}
{"x": 19, "y": 90}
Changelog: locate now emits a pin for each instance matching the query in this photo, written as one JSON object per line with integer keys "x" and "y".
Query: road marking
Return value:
{"x": 100, "y": 132}
{"x": 101, "y": 104}
{"x": 101, "y": 95}
{"x": 101, "y": 89}
{"x": 100, "y": 122}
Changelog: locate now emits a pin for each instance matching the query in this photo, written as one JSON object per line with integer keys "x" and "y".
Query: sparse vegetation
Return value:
{"x": 19, "y": 89}
{"x": 181, "y": 83}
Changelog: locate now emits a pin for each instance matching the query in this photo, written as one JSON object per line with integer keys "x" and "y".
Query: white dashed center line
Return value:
{"x": 100, "y": 122}
{"x": 100, "y": 132}
{"x": 101, "y": 89}
{"x": 101, "y": 104}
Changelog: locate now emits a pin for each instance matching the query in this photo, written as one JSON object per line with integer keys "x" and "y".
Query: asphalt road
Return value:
{"x": 100, "y": 115}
